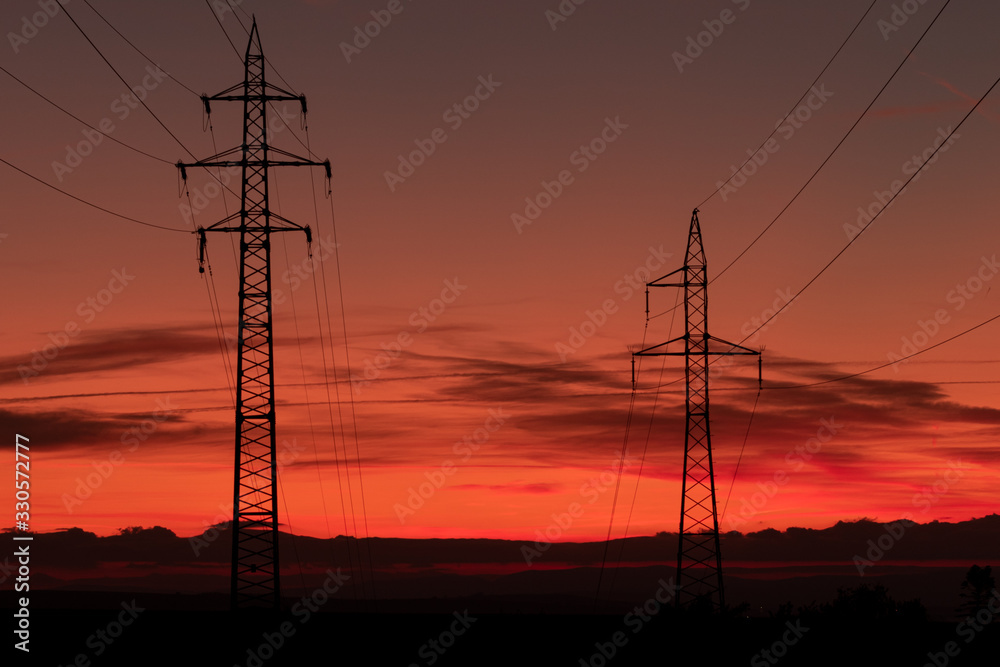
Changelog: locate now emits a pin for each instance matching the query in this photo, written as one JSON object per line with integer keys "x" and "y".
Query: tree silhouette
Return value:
{"x": 866, "y": 604}
{"x": 977, "y": 588}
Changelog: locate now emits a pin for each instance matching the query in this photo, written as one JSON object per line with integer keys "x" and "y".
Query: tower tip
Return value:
{"x": 253, "y": 45}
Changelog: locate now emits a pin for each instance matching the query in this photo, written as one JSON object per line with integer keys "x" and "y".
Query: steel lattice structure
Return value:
{"x": 699, "y": 557}
{"x": 255, "y": 577}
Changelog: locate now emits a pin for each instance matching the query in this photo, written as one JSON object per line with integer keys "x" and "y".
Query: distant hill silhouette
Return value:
{"x": 764, "y": 568}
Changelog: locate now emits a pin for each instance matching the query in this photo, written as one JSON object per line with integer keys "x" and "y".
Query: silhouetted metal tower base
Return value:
{"x": 255, "y": 568}
{"x": 699, "y": 558}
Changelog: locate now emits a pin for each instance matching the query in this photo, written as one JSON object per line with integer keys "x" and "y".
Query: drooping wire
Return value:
{"x": 874, "y": 217}
{"x": 340, "y": 420}
{"x": 222, "y": 191}
{"x": 139, "y": 51}
{"x": 83, "y": 122}
{"x": 312, "y": 424}
{"x": 645, "y": 449}
{"x": 628, "y": 428}
{"x": 292, "y": 536}
{"x": 795, "y": 105}
{"x": 832, "y": 153}
{"x": 333, "y": 431}
{"x": 126, "y": 84}
{"x": 350, "y": 392}
{"x": 150, "y": 155}
{"x": 92, "y": 205}
{"x": 347, "y": 362}
{"x": 746, "y": 436}
{"x": 141, "y": 101}
{"x": 839, "y": 143}
{"x": 891, "y": 363}
{"x": 305, "y": 145}
{"x": 217, "y": 322}
{"x": 208, "y": 4}
{"x": 281, "y": 488}
{"x": 614, "y": 500}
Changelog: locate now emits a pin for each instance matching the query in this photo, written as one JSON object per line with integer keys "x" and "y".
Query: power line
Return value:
{"x": 839, "y": 143}
{"x": 892, "y": 363}
{"x": 221, "y": 27}
{"x": 141, "y": 101}
{"x": 830, "y": 155}
{"x": 139, "y": 51}
{"x": 350, "y": 393}
{"x": 92, "y": 205}
{"x": 642, "y": 459}
{"x": 312, "y": 425}
{"x": 122, "y": 79}
{"x": 746, "y": 436}
{"x": 877, "y": 215}
{"x": 81, "y": 121}
{"x": 794, "y": 106}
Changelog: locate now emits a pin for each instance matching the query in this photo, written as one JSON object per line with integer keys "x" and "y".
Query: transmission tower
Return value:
{"x": 255, "y": 580}
{"x": 699, "y": 558}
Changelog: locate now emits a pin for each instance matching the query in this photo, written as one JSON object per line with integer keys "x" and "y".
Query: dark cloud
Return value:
{"x": 107, "y": 350}
{"x": 539, "y": 489}
{"x": 70, "y": 429}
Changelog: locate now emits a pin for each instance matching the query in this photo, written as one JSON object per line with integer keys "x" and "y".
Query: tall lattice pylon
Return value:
{"x": 255, "y": 580}
{"x": 699, "y": 557}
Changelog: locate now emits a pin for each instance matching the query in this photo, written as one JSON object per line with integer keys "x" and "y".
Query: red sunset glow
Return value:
{"x": 489, "y": 294}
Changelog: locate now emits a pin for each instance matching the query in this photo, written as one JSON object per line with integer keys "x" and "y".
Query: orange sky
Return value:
{"x": 144, "y": 353}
